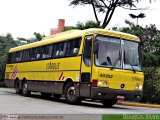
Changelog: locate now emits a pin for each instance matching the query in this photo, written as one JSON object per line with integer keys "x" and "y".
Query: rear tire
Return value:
{"x": 25, "y": 91}
{"x": 17, "y": 87}
{"x": 69, "y": 94}
{"x": 109, "y": 103}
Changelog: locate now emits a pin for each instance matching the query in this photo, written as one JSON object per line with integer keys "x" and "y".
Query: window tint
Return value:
{"x": 16, "y": 57}
{"x": 109, "y": 52}
{"x": 36, "y": 53}
{"x": 47, "y": 51}
{"x": 12, "y": 57}
{"x": 59, "y": 49}
{"x": 87, "y": 51}
{"x": 73, "y": 47}
{"x": 26, "y": 55}
{"x": 9, "y": 58}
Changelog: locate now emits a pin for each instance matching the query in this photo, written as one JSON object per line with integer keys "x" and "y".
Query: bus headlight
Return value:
{"x": 137, "y": 87}
{"x": 100, "y": 83}
{"x": 105, "y": 83}
{"x": 140, "y": 87}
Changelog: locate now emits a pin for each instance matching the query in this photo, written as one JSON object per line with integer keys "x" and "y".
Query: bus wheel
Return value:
{"x": 17, "y": 87}
{"x": 25, "y": 90}
{"x": 46, "y": 95}
{"x": 108, "y": 103}
{"x": 56, "y": 96}
{"x": 69, "y": 94}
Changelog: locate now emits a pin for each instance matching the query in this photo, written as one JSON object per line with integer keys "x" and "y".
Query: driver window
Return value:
{"x": 87, "y": 51}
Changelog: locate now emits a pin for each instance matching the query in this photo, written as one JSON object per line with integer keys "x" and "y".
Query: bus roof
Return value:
{"x": 72, "y": 34}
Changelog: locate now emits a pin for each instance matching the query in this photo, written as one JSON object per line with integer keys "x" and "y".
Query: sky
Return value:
{"x": 22, "y": 18}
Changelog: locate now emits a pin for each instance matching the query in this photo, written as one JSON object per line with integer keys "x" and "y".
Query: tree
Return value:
{"x": 6, "y": 42}
{"x": 141, "y": 15}
{"x": 107, "y": 7}
{"x": 82, "y": 26}
{"x": 38, "y": 37}
{"x": 151, "y": 91}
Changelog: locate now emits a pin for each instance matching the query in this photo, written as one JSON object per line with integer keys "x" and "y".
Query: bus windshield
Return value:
{"x": 117, "y": 53}
{"x": 131, "y": 55}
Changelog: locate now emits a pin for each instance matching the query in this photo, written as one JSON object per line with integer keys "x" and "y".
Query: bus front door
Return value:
{"x": 85, "y": 86}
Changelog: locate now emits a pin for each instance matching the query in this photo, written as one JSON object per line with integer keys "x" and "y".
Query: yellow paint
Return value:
{"x": 71, "y": 66}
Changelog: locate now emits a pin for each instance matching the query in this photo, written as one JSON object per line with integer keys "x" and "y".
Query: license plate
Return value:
{"x": 120, "y": 97}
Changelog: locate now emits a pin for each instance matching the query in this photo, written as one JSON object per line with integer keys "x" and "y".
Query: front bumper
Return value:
{"x": 107, "y": 93}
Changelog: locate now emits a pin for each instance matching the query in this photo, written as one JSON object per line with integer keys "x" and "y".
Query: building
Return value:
{"x": 61, "y": 27}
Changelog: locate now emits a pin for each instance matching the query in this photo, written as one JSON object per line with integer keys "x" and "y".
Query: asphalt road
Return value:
{"x": 11, "y": 103}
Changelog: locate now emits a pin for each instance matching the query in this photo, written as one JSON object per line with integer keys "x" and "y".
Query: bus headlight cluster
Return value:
{"x": 102, "y": 83}
{"x": 139, "y": 87}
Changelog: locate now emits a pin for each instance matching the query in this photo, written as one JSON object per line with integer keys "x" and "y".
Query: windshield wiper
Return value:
{"x": 127, "y": 61}
{"x": 115, "y": 63}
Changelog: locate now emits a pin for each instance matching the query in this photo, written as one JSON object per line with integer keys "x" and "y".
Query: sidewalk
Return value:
{"x": 138, "y": 104}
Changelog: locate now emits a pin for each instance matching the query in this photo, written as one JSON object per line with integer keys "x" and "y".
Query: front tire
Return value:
{"x": 70, "y": 96}
{"x": 25, "y": 91}
{"x": 109, "y": 103}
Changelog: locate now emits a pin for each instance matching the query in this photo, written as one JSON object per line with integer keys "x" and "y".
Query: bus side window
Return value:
{"x": 36, "y": 53}
{"x": 70, "y": 47}
{"x": 11, "y": 57}
{"x": 33, "y": 54}
{"x": 59, "y": 49}
{"x": 77, "y": 43}
{"x": 87, "y": 51}
{"x": 18, "y": 56}
{"x": 50, "y": 49}
{"x": 47, "y": 51}
{"x": 26, "y": 55}
{"x": 62, "y": 49}
{"x": 55, "y": 50}
{"x": 73, "y": 47}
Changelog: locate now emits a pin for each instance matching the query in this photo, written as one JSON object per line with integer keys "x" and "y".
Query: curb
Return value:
{"x": 138, "y": 104}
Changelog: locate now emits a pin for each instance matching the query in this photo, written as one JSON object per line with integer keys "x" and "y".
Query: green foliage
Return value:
{"x": 83, "y": 26}
{"x": 151, "y": 86}
{"x": 151, "y": 60}
{"x": 6, "y": 42}
{"x": 88, "y": 24}
{"x": 38, "y": 37}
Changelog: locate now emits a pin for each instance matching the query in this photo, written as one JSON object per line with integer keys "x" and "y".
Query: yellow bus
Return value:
{"x": 96, "y": 64}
